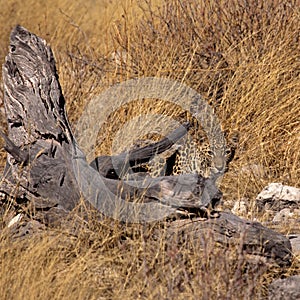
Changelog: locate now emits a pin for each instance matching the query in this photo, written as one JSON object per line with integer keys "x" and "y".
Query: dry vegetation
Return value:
{"x": 243, "y": 57}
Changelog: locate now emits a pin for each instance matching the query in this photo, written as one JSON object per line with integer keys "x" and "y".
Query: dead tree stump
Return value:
{"x": 42, "y": 150}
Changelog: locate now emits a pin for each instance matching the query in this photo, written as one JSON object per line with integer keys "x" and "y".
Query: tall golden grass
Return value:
{"x": 243, "y": 57}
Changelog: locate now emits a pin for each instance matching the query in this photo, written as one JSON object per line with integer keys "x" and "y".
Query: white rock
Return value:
{"x": 283, "y": 215}
{"x": 295, "y": 242}
{"x": 240, "y": 207}
{"x": 278, "y": 191}
{"x": 277, "y": 196}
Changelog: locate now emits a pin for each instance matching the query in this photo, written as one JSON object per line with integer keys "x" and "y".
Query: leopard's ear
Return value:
{"x": 232, "y": 145}
{"x": 234, "y": 138}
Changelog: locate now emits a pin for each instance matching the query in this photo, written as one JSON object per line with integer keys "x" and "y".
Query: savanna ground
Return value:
{"x": 244, "y": 58}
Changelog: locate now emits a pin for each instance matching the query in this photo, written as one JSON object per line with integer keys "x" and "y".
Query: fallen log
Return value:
{"x": 115, "y": 166}
{"x": 45, "y": 162}
{"x": 46, "y": 168}
{"x": 228, "y": 229}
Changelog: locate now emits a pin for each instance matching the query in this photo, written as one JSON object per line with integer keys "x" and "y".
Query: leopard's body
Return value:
{"x": 190, "y": 156}
{"x": 205, "y": 158}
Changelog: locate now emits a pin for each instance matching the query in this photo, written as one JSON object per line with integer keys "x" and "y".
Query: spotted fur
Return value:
{"x": 202, "y": 157}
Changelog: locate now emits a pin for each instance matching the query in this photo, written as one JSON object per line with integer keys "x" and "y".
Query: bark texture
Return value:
{"x": 46, "y": 168}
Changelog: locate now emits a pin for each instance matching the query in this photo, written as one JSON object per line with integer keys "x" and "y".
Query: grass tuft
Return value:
{"x": 243, "y": 58}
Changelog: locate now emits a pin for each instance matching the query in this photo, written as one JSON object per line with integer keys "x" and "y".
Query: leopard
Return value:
{"x": 206, "y": 158}
{"x": 194, "y": 155}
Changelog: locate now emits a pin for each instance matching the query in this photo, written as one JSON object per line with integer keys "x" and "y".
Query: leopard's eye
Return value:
{"x": 210, "y": 152}
{"x": 228, "y": 151}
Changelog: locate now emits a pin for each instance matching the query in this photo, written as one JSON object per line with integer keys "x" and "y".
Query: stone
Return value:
{"x": 295, "y": 242}
{"x": 283, "y": 216}
{"x": 285, "y": 289}
{"x": 277, "y": 196}
{"x": 240, "y": 207}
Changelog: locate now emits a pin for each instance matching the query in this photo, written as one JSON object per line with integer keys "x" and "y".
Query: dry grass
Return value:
{"x": 243, "y": 57}
{"x": 101, "y": 262}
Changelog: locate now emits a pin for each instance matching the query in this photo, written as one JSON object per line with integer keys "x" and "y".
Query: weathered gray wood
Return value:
{"x": 228, "y": 229}
{"x": 44, "y": 160}
{"x": 40, "y": 141}
{"x": 114, "y": 166}
{"x": 42, "y": 149}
